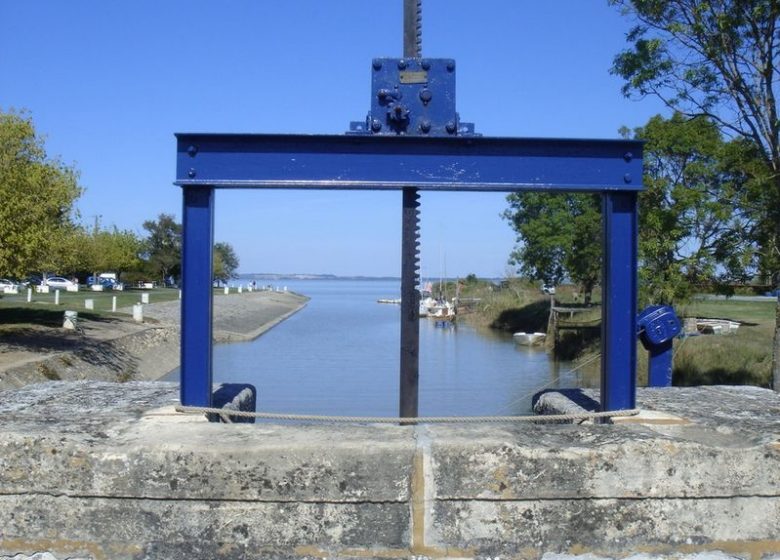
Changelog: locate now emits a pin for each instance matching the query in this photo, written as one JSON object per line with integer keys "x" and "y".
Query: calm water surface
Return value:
{"x": 340, "y": 355}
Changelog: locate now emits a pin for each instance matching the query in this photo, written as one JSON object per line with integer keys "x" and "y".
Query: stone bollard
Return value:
{"x": 70, "y": 320}
{"x": 113, "y": 304}
{"x": 56, "y": 297}
{"x": 29, "y": 295}
{"x": 138, "y": 313}
{"x": 145, "y": 298}
{"x": 89, "y": 304}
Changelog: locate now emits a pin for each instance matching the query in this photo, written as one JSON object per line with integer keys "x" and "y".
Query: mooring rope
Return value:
{"x": 419, "y": 420}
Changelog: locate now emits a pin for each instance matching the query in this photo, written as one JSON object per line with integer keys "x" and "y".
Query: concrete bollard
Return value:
{"x": 240, "y": 289}
{"x": 70, "y": 320}
{"x": 227, "y": 290}
{"x": 179, "y": 294}
{"x": 138, "y": 313}
{"x": 145, "y": 298}
{"x": 29, "y": 295}
{"x": 285, "y": 288}
{"x": 113, "y": 304}
{"x": 56, "y": 297}
{"x": 89, "y": 304}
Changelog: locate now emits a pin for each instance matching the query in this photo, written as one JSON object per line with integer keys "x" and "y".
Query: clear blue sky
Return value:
{"x": 108, "y": 84}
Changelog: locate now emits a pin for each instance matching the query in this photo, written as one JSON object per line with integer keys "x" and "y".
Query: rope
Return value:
{"x": 419, "y": 420}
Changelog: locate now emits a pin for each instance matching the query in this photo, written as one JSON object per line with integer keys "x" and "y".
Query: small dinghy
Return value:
{"x": 529, "y": 339}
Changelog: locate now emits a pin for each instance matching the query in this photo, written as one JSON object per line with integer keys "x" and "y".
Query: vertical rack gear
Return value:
{"x": 412, "y": 96}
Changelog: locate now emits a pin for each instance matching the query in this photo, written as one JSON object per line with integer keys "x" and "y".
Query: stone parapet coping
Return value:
{"x": 113, "y": 472}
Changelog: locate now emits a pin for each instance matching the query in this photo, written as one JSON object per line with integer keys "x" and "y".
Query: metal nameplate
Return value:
{"x": 412, "y": 77}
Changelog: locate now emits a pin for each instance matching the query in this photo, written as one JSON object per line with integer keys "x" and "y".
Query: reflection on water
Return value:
{"x": 340, "y": 355}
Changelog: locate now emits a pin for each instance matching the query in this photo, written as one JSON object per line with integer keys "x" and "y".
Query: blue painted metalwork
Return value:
{"x": 413, "y": 96}
{"x": 196, "y": 305}
{"x": 394, "y": 162}
{"x": 207, "y": 161}
{"x": 619, "y": 298}
{"x": 658, "y": 326}
{"x": 412, "y": 139}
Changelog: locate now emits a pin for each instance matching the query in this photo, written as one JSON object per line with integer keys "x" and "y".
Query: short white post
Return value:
{"x": 29, "y": 295}
{"x": 144, "y": 298}
{"x": 285, "y": 288}
{"x": 227, "y": 290}
{"x": 138, "y": 313}
{"x": 56, "y": 297}
{"x": 70, "y": 319}
{"x": 113, "y": 304}
{"x": 240, "y": 289}
{"x": 89, "y": 303}
{"x": 179, "y": 294}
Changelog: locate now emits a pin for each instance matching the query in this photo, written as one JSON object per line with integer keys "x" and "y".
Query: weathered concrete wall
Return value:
{"x": 97, "y": 470}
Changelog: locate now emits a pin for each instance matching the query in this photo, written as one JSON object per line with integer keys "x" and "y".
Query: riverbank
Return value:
{"x": 112, "y": 347}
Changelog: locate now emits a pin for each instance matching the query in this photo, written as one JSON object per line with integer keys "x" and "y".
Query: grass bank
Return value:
{"x": 741, "y": 358}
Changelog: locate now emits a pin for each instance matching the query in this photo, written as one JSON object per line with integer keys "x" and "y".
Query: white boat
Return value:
{"x": 396, "y": 301}
{"x": 529, "y": 339}
{"x": 716, "y": 326}
{"x": 438, "y": 309}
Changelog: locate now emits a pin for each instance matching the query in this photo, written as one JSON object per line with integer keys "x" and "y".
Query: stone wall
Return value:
{"x": 147, "y": 354}
{"x": 100, "y": 470}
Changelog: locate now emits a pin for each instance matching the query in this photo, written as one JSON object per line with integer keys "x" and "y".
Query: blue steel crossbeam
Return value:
{"x": 206, "y": 162}
{"x": 394, "y": 162}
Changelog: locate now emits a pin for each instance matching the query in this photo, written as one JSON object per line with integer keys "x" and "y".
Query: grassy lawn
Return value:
{"x": 16, "y": 313}
{"x": 744, "y": 357}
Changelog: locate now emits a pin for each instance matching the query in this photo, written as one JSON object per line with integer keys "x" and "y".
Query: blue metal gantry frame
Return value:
{"x": 206, "y": 162}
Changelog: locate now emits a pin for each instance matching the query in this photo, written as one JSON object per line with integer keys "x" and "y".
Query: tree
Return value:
{"x": 162, "y": 247}
{"x": 225, "y": 262}
{"x": 38, "y": 195}
{"x": 559, "y": 236}
{"x": 689, "y": 230}
{"x": 717, "y": 58}
{"x": 112, "y": 250}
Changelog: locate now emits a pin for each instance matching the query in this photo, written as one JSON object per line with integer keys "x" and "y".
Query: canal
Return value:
{"x": 340, "y": 354}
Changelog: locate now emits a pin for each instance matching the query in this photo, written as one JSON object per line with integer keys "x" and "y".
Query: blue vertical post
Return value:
{"x": 619, "y": 300}
{"x": 659, "y": 368}
{"x": 196, "y": 304}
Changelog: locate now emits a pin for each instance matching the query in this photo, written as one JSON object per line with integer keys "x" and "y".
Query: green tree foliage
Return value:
{"x": 112, "y": 250}
{"x": 162, "y": 247}
{"x": 225, "y": 262}
{"x": 717, "y": 58}
{"x": 559, "y": 236}
{"x": 37, "y": 194}
{"x": 689, "y": 231}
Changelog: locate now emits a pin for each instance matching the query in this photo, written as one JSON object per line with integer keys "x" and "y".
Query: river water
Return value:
{"x": 340, "y": 355}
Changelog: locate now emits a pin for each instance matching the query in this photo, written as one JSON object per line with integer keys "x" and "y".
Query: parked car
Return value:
{"x": 58, "y": 282}
{"x": 32, "y": 280}
{"x": 5, "y": 283}
{"x": 107, "y": 283}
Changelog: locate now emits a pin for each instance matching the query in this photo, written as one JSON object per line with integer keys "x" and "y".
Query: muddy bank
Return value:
{"x": 117, "y": 349}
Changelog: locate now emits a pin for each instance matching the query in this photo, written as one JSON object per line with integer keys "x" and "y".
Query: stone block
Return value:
{"x": 611, "y": 528}
{"x": 129, "y": 529}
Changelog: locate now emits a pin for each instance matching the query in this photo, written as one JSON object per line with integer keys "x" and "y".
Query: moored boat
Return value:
{"x": 529, "y": 339}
